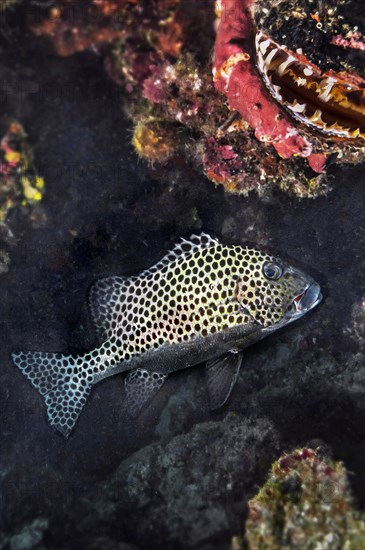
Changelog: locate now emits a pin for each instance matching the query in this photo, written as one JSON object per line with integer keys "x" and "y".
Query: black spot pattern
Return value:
{"x": 64, "y": 381}
{"x": 104, "y": 293}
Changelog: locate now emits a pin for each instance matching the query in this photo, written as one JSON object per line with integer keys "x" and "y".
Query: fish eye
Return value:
{"x": 272, "y": 271}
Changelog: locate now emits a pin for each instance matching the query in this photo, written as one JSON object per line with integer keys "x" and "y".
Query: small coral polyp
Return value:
{"x": 325, "y": 102}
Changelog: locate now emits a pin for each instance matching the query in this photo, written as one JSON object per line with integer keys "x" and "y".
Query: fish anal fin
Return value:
{"x": 140, "y": 387}
{"x": 221, "y": 375}
{"x": 102, "y": 298}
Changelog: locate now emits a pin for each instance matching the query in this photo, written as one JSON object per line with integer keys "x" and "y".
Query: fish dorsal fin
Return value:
{"x": 221, "y": 374}
{"x": 183, "y": 248}
{"x": 140, "y": 387}
{"x": 105, "y": 293}
{"x": 103, "y": 296}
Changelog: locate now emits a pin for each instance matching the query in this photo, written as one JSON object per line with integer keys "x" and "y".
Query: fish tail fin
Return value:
{"x": 61, "y": 380}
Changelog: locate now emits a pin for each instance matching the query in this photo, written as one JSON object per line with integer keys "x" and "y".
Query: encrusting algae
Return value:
{"x": 305, "y": 504}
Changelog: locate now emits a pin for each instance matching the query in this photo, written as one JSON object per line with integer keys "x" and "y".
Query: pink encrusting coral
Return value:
{"x": 235, "y": 76}
{"x": 351, "y": 41}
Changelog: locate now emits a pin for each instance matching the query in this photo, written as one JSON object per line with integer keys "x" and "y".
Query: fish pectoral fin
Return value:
{"x": 140, "y": 387}
{"x": 221, "y": 374}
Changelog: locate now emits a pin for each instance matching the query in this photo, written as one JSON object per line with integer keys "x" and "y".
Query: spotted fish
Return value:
{"x": 203, "y": 301}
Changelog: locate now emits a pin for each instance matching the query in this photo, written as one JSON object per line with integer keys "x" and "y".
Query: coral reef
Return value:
{"x": 306, "y": 503}
{"x": 178, "y": 92}
{"x": 19, "y": 182}
{"x": 159, "y": 54}
{"x": 323, "y": 25}
{"x": 20, "y": 186}
{"x": 235, "y": 76}
{"x": 154, "y": 141}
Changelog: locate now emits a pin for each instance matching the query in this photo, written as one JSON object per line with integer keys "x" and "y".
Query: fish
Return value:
{"x": 203, "y": 302}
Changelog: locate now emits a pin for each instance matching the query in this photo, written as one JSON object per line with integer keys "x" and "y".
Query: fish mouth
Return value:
{"x": 305, "y": 301}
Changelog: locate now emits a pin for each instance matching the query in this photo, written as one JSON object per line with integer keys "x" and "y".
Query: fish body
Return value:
{"x": 203, "y": 301}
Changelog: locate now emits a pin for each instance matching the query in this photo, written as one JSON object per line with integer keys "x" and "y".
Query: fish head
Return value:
{"x": 274, "y": 293}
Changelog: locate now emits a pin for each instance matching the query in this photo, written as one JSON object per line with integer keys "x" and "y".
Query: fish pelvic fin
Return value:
{"x": 140, "y": 387}
{"x": 61, "y": 380}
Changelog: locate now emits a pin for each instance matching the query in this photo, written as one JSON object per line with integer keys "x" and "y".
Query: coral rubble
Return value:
{"x": 305, "y": 503}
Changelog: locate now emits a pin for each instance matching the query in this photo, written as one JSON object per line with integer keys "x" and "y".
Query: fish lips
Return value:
{"x": 305, "y": 301}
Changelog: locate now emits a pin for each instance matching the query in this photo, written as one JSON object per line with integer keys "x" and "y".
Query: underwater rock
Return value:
{"x": 19, "y": 182}
{"x": 30, "y": 536}
{"x": 106, "y": 543}
{"x": 192, "y": 485}
{"x": 306, "y": 503}
{"x": 4, "y": 261}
